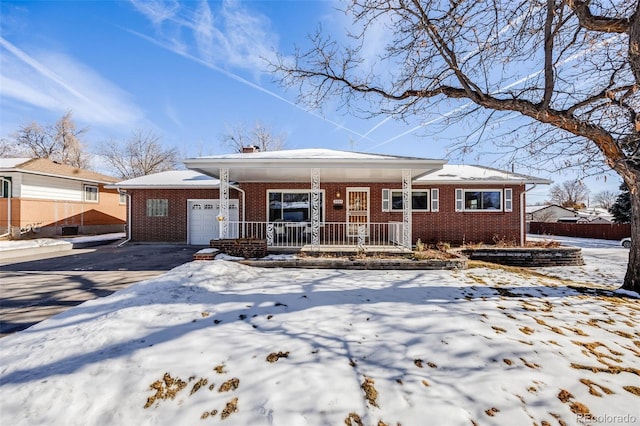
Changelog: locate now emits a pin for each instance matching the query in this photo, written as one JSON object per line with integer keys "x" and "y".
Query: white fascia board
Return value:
{"x": 333, "y": 163}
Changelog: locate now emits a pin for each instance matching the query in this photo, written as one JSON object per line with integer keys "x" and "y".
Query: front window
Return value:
{"x": 419, "y": 200}
{"x": 91, "y": 193}
{"x": 292, "y": 206}
{"x": 482, "y": 200}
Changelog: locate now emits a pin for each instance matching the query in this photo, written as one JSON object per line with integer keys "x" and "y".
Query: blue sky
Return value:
{"x": 187, "y": 71}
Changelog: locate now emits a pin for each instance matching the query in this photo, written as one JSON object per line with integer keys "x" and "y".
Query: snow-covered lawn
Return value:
{"x": 222, "y": 343}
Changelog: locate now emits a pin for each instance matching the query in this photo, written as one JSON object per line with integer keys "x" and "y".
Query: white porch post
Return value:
{"x": 223, "y": 216}
{"x": 406, "y": 209}
{"x": 315, "y": 207}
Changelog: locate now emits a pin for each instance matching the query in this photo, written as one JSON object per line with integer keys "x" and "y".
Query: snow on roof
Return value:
{"x": 451, "y": 173}
{"x": 10, "y": 163}
{"x": 171, "y": 179}
{"x": 310, "y": 153}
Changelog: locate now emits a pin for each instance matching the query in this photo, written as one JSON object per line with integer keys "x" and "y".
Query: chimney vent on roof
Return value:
{"x": 250, "y": 149}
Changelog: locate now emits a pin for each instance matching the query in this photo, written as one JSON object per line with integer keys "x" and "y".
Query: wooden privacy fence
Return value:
{"x": 604, "y": 231}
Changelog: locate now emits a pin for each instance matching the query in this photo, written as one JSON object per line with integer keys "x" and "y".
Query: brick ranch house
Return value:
{"x": 44, "y": 198}
{"x": 310, "y": 197}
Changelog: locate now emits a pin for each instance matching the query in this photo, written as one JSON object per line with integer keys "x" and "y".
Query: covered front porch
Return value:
{"x": 332, "y": 236}
{"x": 314, "y": 198}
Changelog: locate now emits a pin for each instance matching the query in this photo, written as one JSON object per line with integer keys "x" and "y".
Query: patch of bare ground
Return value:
{"x": 590, "y": 348}
{"x": 498, "y": 329}
{"x": 353, "y": 420}
{"x": 219, "y": 369}
{"x": 527, "y": 330}
{"x": 558, "y": 418}
{"x": 632, "y": 389}
{"x": 491, "y": 411}
{"x": 507, "y": 361}
{"x": 275, "y": 356}
{"x": 611, "y": 369}
{"x": 230, "y": 408}
{"x": 370, "y": 392}
{"x": 208, "y": 413}
{"x": 418, "y": 363}
{"x": 196, "y": 387}
{"x": 576, "y": 407}
{"x": 531, "y": 365}
{"x": 549, "y": 327}
{"x": 166, "y": 388}
{"x": 229, "y": 385}
{"x": 593, "y": 388}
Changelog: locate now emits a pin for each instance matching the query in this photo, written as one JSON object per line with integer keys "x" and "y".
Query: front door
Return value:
{"x": 357, "y": 211}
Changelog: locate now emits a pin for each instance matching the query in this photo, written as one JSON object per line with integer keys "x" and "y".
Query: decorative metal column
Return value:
{"x": 406, "y": 209}
{"x": 315, "y": 207}
{"x": 223, "y": 216}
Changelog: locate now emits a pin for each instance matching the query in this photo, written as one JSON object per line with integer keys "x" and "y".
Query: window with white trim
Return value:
{"x": 508, "y": 200}
{"x": 157, "y": 207}
{"x": 91, "y": 193}
{"x": 291, "y": 205}
{"x": 435, "y": 200}
{"x": 392, "y": 200}
{"x": 482, "y": 200}
{"x": 4, "y": 187}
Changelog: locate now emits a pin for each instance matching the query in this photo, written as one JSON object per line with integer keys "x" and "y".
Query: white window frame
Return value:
{"x": 387, "y": 197}
{"x": 508, "y": 199}
{"x": 85, "y": 193}
{"x": 460, "y": 200}
{"x": 435, "y": 200}
{"x": 157, "y": 207}
{"x": 300, "y": 191}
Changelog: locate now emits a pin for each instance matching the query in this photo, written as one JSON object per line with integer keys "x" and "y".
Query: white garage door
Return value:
{"x": 203, "y": 222}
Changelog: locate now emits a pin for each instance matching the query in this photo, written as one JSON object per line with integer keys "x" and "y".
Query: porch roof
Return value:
{"x": 294, "y": 165}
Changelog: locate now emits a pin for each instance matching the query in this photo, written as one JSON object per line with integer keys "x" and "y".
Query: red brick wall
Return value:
{"x": 171, "y": 228}
{"x": 447, "y": 225}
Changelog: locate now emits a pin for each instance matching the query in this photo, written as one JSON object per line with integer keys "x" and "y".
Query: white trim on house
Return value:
{"x": 461, "y": 200}
{"x": 294, "y": 165}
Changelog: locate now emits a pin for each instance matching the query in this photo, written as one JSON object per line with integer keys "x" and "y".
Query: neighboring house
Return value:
{"x": 317, "y": 196}
{"x": 550, "y": 213}
{"x": 46, "y": 198}
{"x": 554, "y": 213}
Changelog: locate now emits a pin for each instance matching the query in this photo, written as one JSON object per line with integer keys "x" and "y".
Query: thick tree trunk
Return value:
{"x": 632, "y": 277}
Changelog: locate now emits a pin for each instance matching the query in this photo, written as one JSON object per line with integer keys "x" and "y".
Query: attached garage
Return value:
{"x": 179, "y": 206}
{"x": 203, "y": 221}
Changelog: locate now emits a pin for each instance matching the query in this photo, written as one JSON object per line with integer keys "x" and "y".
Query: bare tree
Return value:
{"x": 67, "y": 138}
{"x": 59, "y": 142}
{"x": 572, "y": 194}
{"x": 261, "y": 136}
{"x": 567, "y": 70}
{"x": 142, "y": 154}
{"x": 605, "y": 199}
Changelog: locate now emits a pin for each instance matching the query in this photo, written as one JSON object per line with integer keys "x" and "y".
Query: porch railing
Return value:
{"x": 298, "y": 234}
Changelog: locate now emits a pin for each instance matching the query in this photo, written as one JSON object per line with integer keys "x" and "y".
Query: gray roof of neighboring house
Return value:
{"x": 45, "y": 167}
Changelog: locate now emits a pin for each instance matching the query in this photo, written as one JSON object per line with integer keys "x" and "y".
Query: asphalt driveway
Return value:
{"x": 37, "y": 287}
